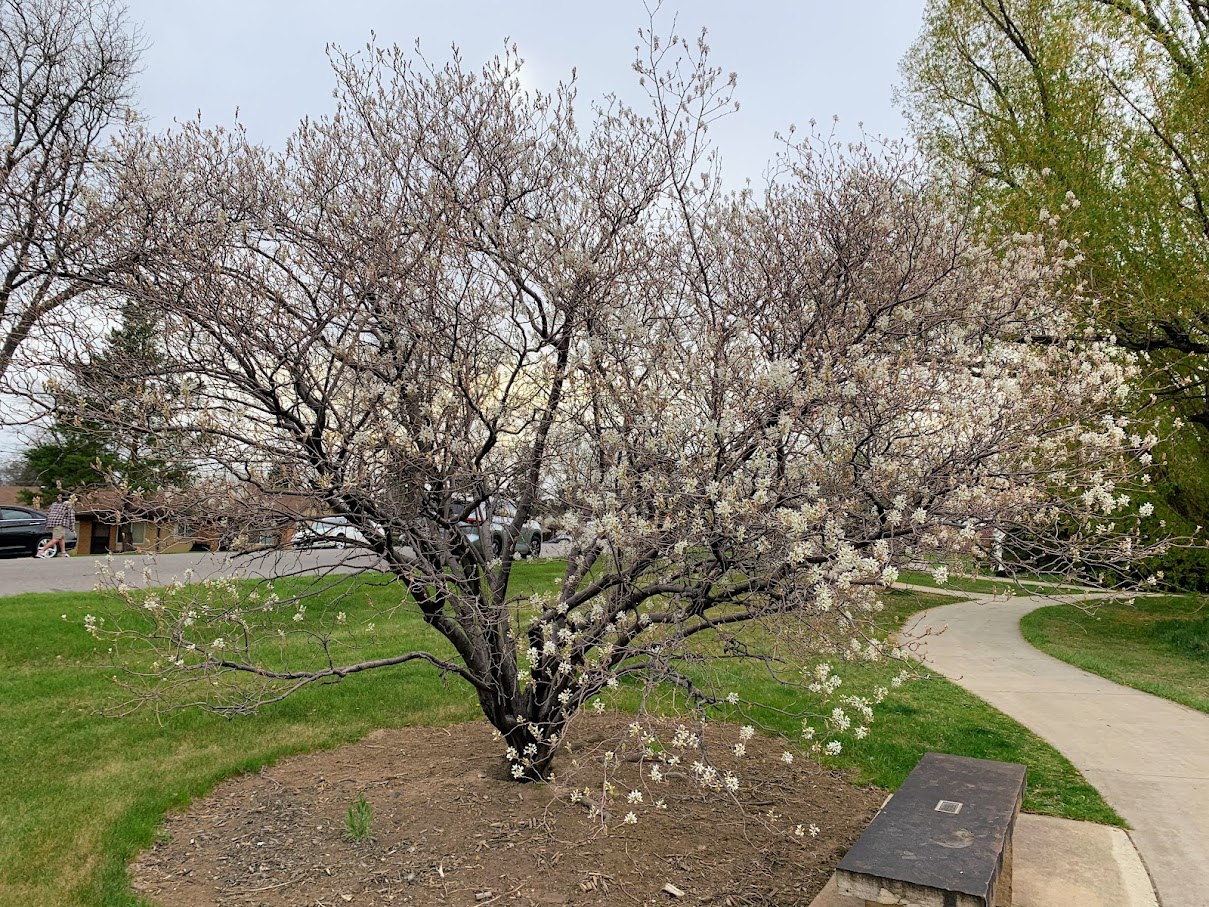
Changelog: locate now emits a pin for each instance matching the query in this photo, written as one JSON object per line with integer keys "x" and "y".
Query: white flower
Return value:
{"x": 787, "y": 757}
{"x": 635, "y": 796}
{"x": 630, "y": 819}
{"x": 745, "y": 732}
{"x": 833, "y": 748}
{"x": 1146, "y": 509}
{"x": 840, "y": 719}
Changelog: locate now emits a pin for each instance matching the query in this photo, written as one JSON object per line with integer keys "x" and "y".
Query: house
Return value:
{"x": 108, "y": 521}
{"x": 100, "y": 513}
{"x": 182, "y": 520}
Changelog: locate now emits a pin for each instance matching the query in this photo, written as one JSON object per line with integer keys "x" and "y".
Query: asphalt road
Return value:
{"x": 79, "y": 574}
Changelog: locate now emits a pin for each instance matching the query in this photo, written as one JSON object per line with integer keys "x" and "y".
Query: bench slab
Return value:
{"x": 944, "y": 839}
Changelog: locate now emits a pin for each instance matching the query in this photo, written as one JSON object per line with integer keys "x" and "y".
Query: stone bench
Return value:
{"x": 943, "y": 840}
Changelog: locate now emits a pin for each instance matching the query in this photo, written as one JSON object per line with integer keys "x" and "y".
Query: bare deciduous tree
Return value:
{"x": 66, "y": 69}
{"x": 753, "y": 407}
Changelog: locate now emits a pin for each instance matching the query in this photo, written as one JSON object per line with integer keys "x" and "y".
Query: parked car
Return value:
{"x": 327, "y": 532}
{"x": 503, "y": 513}
{"x": 23, "y": 530}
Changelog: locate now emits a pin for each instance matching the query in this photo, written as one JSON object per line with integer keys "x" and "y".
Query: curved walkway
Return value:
{"x": 1148, "y": 756}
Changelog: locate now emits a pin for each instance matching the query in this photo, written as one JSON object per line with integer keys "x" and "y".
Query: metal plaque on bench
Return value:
{"x": 944, "y": 839}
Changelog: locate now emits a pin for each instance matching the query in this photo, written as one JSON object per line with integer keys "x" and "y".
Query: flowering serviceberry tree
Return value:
{"x": 751, "y": 407}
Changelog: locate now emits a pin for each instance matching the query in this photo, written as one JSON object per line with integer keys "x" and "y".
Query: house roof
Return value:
{"x": 11, "y": 494}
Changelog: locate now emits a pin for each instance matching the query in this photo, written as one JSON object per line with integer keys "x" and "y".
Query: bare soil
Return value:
{"x": 449, "y": 828}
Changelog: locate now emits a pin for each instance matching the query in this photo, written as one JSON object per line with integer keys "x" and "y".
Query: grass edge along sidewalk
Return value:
{"x": 1159, "y": 645}
{"x": 85, "y": 793}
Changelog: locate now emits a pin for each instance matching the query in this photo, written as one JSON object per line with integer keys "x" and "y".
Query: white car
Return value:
{"x": 327, "y": 532}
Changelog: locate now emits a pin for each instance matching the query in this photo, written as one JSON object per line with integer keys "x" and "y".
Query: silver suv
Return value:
{"x": 502, "y": 514}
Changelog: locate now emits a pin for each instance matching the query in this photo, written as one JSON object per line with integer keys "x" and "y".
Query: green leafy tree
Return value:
{"x": 67, "y": 457}
{"x": 1091, "y": 114}
{"x": 82, "y": 449}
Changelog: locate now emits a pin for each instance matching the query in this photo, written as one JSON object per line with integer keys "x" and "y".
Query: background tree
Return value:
{"x": 16, "y": 471}
{"x": 66, "y": 69}
{"x": 1024, "y": 101}
{"x": 758, "y": 407}
{"x": 85, "y": 446}
{"x": 67, "y": 457}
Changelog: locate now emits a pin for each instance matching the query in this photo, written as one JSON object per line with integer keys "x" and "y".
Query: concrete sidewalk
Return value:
{"x": 1061, "y": 863}
{"x": 1149, "y": 757}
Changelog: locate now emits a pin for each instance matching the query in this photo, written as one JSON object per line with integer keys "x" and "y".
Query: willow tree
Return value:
{"x": 1025, "y": 101}
{"x": 753, "y": 407}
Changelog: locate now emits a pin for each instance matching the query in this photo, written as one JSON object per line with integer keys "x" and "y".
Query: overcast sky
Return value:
{"x": 795, "y": 60}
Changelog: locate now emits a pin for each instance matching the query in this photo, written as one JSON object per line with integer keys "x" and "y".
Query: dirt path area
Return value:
{"x": 449, "y": 829}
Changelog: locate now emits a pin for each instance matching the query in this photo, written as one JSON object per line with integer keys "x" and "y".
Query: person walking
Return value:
{"x": 59, "y": 519}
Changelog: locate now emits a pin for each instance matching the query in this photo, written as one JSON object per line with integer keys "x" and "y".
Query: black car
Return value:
{"x": 23, "y": 529}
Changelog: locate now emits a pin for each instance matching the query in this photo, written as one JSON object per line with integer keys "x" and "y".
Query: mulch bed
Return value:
{"x": 449, "y": 828}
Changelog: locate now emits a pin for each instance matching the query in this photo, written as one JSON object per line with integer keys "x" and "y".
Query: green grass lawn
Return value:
{"x": 988, "y": 585}
{"x": 1159, "y": 645}
{"x": 84, "y": 793}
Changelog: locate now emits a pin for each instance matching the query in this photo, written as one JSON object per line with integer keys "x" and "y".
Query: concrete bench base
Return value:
{"x": 879, "y": 893}
{"x": 943, "y": 840}
{"x": 1060, "y": 862}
